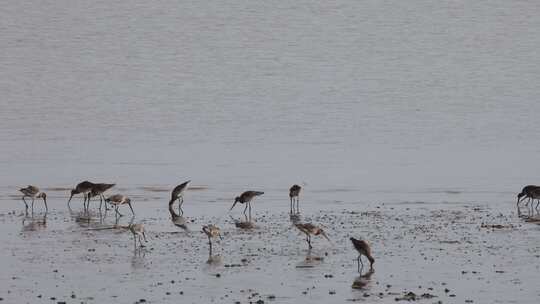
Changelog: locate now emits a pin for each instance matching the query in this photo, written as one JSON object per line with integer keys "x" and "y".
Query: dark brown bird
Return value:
{"x": 178, "y": 194}
{"x": 84, "y": 188}
{"x": 177, "y": 220}
{"x": 294, "y": 194}
{"x": 531, "y": 192}
{"x": 138, "y": 231}
{"x": 363, "y": 248}
{"x": 99, "y": 189}
{"x": 310, "y": 229}
{"x": 33, "y": 192}
{"x": 245, "y": 198}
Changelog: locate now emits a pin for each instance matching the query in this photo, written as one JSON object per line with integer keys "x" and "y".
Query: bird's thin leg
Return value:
{"x": 32, "y": 204}
{"x": 144, "y": 235}
{"x": 135, "y": 241}
{"x": 129, "y": 204}
{"x": 245, "y": 209}
{"x": 46, "y": 207}
{"x": 103, "y": 198}
{"x": 25, "y": 203}
{"x": 210, "y": 244}
{"x": 297, "y": 204}
{"x": 358, "y": 263}
{"x": 292, "y": 203}
{"x": 249, "y": 204}
{"x": 140, "y": 241}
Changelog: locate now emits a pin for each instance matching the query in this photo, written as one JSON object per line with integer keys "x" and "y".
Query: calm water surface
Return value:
{"x": 377, "y": 96}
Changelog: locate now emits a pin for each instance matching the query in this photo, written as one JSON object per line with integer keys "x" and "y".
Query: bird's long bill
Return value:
{"x": 234, "y": 204}
{"x": 70, "y": 197}
{"x": 326, "y": 237}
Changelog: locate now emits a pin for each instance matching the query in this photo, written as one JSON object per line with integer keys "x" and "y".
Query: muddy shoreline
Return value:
{"x": 462, "y": 253}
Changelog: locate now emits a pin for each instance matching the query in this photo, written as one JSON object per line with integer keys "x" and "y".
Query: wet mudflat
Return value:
{"x": 429, "y": 252}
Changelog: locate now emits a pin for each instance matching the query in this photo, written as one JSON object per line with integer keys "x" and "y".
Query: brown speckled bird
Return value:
{"x": 310, "y": 229}
{"x": 117, "y": 200}
{"x": 138, "y": 231}
{"x": 33, "y": 192}
{"x": 211, "y": 232}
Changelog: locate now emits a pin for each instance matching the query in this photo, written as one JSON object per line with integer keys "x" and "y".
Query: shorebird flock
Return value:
{"x": 90, "y": 190}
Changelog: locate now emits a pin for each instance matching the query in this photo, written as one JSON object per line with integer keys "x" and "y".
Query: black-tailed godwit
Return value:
{"x": 246, "y": 198}
{"x": 33, "y": 192}
{"x": 310, "y": 229}
{"x": 363, "y": 248}
{"x": 294, "y": 195}
{"x": 178, "y": 194}
{"x": 117, "y": 200}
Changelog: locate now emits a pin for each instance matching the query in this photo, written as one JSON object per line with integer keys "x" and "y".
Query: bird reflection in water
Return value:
{"x": 363, "y": 281}
{"x": 34, "y": 223}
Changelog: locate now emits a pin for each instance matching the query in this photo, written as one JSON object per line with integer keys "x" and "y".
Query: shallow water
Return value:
{"x": 393, "y": 104}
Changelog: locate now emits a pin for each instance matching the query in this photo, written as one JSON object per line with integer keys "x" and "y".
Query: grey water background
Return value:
{"x": 392, "y": 100}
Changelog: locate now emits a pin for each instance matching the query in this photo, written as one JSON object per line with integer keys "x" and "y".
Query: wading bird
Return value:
{"x": 310, "y": 229}
{"x": 98, "y": 190}
{"x": 178, "y": 194}
{"x": 363, "y": 248}
{"x": 177, "y": 220}
{"x": 531, "y": 192}
{"x": 33, "y": 193}
{"x": 84, "y": 188}
{"x": 294, "y": 194}
{"x": 138, "y": 231}
{"x": 117, "y": 200}
{"x": 245, "y": 198}
{"x": 211, "y": 232}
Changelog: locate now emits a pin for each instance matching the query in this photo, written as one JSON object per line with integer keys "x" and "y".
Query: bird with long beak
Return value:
{"x": 117, "y": 200}
{"x": 294, "y": 195}
{"x": 98, "y": 190}
{"x": 211, "y": 232}
{"x": 363, "y": 248}
{"x": 531, "y": 192}
{"x": 33, "y": 192}
{"x": 310, "y": 229}
{"x": 177, "y": 219}
{"x": 246, "y": 198}
{"x": 84, "y": 188}
{"x": 138, "y": 232}
{"x": 178, "y": 194}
